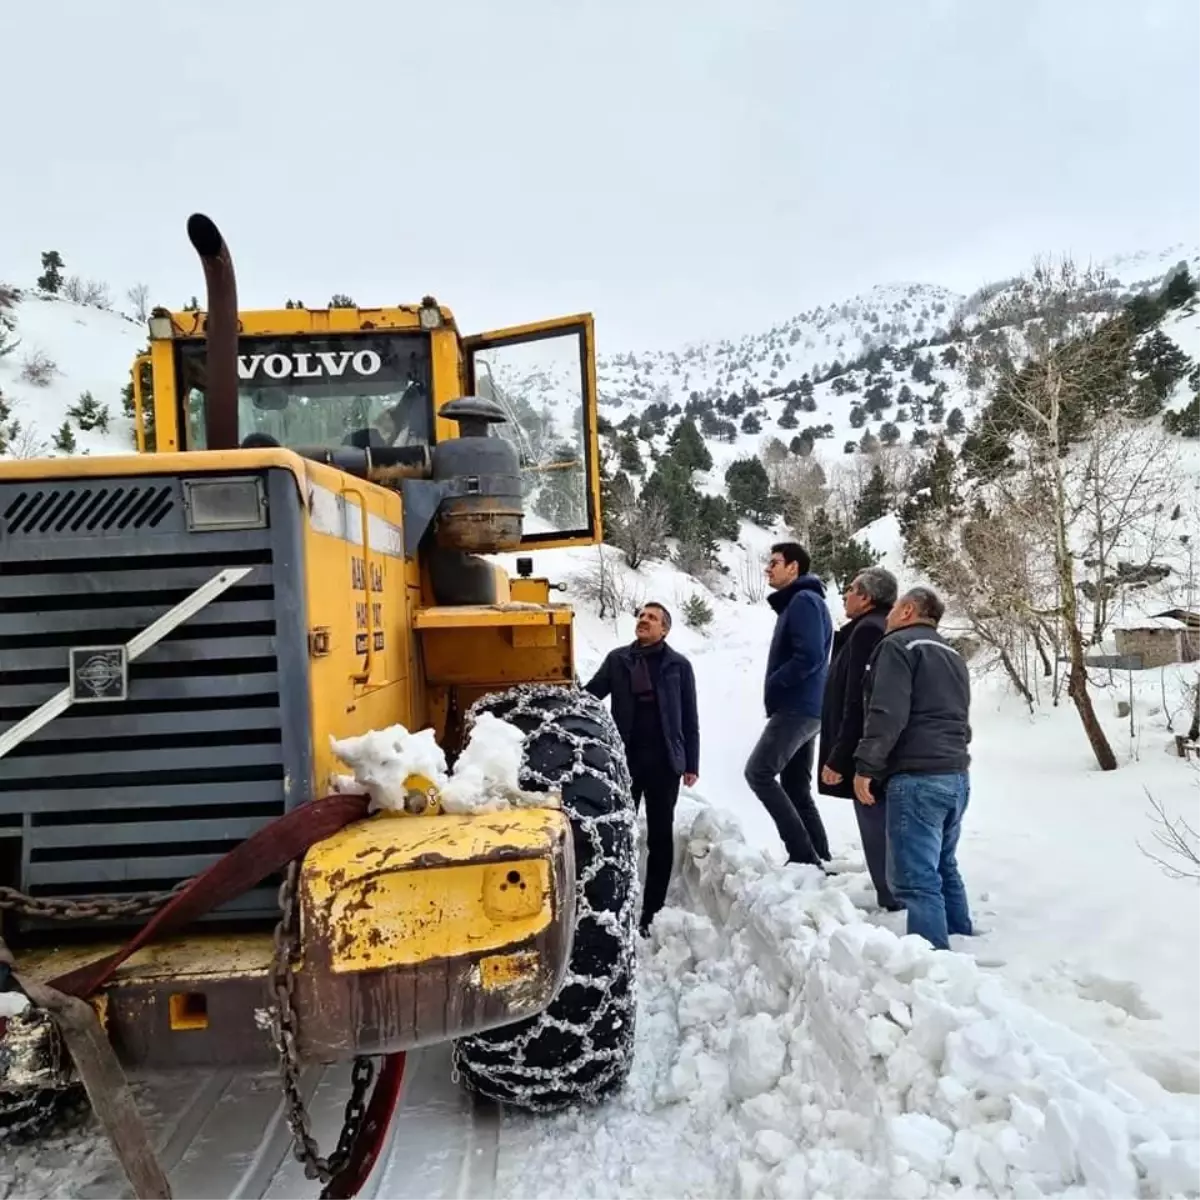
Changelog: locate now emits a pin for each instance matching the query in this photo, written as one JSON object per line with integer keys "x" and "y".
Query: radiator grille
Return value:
{"x": 133, "y": 796}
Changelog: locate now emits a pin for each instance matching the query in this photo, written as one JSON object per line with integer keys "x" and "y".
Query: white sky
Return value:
{"x": 681, "y": 168}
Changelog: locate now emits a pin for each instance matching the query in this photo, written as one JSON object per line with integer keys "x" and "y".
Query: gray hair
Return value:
{"x": 879, "y": 586}
{"x": 927, "y": 602}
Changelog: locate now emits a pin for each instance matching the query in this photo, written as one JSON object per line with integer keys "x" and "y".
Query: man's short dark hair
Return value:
{"x": 793, "y": 552}
{"x": 662, "y": 608}
{"x": 927, "y": 602}
{"x": 878, "y": 585}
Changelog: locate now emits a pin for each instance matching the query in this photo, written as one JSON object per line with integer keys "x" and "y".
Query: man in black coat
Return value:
{"x": 867, "y": 601}
{"x": 653, "y": 691}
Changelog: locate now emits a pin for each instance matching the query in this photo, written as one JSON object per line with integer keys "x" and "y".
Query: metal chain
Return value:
{"x": 283, "y": 1022}
{"x": 87, "y": 908}
{"x": 283, "y": 1031}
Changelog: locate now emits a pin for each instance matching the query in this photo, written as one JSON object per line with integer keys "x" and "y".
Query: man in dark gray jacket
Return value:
{"x": 917, "y": 697}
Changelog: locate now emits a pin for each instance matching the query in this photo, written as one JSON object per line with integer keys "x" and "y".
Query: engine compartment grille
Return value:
{"x": 121, "y": 798}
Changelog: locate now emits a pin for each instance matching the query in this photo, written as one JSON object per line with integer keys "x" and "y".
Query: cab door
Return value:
{"x": 544, "y": 377}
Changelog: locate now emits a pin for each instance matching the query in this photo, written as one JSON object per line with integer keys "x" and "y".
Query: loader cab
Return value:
{"x": 373, "y": 378}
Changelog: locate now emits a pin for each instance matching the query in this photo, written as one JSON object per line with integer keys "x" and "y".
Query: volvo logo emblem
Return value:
{"x": 99, "y": 674}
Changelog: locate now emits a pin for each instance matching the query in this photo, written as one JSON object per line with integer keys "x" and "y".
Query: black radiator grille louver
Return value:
{"x": 134, "y": 796}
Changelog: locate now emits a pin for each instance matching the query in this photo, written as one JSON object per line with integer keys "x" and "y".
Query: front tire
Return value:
{"x": 580, "y": 1048}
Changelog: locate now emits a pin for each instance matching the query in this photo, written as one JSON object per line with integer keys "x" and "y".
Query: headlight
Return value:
{"x": 430, "y": 313}
{"x": 227, "y": 502}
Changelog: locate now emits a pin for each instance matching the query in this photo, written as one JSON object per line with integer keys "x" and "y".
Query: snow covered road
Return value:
{"x": 224, "y": 1134}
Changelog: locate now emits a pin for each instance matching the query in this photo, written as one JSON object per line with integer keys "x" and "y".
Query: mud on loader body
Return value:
{"x": 184, "y": 631}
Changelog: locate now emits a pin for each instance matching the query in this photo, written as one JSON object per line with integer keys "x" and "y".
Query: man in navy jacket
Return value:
{"x": 653, "y": 692}
{"x": 780, "y": 767}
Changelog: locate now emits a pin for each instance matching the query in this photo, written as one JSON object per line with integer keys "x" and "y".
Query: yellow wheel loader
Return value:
{"x": 296, "y": 557}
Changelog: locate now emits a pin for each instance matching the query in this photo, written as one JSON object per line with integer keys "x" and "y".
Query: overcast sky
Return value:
{"x": 681, "y": 168}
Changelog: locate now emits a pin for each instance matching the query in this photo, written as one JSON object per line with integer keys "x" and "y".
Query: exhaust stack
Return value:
{"x": 221, "y": 333}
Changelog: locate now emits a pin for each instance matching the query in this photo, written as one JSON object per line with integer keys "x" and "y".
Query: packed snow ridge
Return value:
{"x": 484, "y": 778}
{"x": 791, "y": 1048}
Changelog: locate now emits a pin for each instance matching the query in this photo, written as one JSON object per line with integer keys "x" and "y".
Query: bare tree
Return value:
{"x": 139, "y": 297}
{"x": 1178, "y": 852}
{"x": 608, "y": 585}
{"x": 800, "y": 485}
{"x": 86, "y": 291}
{"x": 24, "y": 441}
{"x": 751, "y": 578}
{"x": 1121, "y": 491}
{"x": 640, "y": 530}
{"x": 898, "y": 465}
{"x": 991, "y": 567}
{"x": 38, "y": 368}
{"x": 597, "y": 583}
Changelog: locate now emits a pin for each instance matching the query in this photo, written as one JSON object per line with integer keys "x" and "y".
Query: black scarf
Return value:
{"x": 641, "y": 678}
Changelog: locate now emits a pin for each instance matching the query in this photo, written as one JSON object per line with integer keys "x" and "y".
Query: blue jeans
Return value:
{"x": 924, "y": 819}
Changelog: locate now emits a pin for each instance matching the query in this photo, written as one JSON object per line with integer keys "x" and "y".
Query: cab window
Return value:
{"x": 365, "y": 390}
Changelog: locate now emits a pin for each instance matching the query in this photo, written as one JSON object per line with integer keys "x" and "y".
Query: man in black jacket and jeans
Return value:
{"x": 867, "y": 601}
{"x": 653, "y": 692}
{"x": 915, "y": 738}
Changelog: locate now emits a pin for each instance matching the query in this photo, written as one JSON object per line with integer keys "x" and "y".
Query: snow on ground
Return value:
{"x": 788, "y": 1047}
{"x": 1085, "y": 955}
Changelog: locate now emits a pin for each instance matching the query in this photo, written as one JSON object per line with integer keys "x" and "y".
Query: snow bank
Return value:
{"x": 484, "y": 778}
{"x": 793, "y": 1049}
{"x": 906, "y": 1069}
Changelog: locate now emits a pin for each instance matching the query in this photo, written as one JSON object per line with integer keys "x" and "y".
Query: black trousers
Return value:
{"x": 779, "y": 772}
{"x": 872, "y": 828}
{"x": 656, "y": 781}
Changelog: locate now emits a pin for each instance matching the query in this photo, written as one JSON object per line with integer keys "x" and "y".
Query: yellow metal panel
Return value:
{"x": 189, "y": 958}
{"x": 267, "y": 322}
{"x": 409, "y": 917}
{"x": 534, "y": 589}
{"x": 528, "y": 637}
{"x": 398, "y": 891}
{"x": 86, "y": 466}
{"x": 487, "y": 656}
{"x": 500, "y": 971}
{"x": 475, "y": 616}
{"x": 397, "y": 843}
{"x": 357, "y": 596}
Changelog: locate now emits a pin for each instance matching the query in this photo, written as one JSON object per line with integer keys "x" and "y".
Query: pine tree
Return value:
{"x": 858, "y": 416}
{"x": 89, "y": 414}
{"x": 697, "y": 612}
{"x": 889, "y": 433}
{"x": 956, "y": 423}
{"x": 688, "y": 448}
{"x": 749, "y": 490}
{"x": 64, "y": 440}
{"x": 51, "y": 279}
{"x": 751, "y": 423}
{"x": 875, "y": 500}
{"x": 1179, "y": 290}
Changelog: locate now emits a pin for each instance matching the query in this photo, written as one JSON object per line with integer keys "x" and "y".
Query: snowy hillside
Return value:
{"x": 55, "y": 353}
{"x": 790, "y": 1041}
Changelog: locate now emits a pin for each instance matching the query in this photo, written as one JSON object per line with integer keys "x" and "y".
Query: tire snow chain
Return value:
{"x": 619, "y": 1008}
